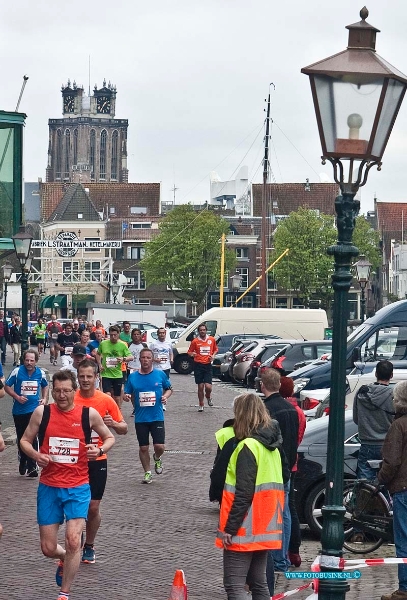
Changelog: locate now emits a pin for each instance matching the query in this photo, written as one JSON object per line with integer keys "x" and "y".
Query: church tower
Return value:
{"x": 88, "y": 144}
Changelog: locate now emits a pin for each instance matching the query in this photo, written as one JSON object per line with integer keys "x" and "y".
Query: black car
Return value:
{"x": 285, "y": 356}
{"x": 312, "y": 460}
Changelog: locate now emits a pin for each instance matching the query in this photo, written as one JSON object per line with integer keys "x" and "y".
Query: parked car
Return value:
{"x": 239, "y": 368}
{"x": 316, "y": 404}
{"x": 285, "y": 356}
{"x": 230, "y": 357}
{"x": 225, "y": 343}
{"x": 312, "y": 460}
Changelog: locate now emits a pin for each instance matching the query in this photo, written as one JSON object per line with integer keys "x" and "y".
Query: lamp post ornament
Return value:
{"x": 357, "y": 96}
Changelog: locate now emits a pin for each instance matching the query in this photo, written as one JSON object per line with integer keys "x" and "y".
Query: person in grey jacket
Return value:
{"x": 393, "y": 475}
{"x": 373, "y": 413}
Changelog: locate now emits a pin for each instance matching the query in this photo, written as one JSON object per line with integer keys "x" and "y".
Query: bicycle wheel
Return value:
{"x": 363, "y": 503}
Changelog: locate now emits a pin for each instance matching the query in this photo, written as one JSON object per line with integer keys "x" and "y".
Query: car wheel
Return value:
{"x": 224, "y": 376}
{"x": 184, "y": 365}
{"x": 314, "y": 502}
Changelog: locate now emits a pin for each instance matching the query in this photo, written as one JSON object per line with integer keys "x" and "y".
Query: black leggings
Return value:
{"x": 21, "y": 422}
{"x": 295, "y": 538}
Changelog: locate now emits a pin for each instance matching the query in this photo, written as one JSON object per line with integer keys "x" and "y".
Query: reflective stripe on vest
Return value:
{"x": 223, "y": 435}
{"x": 262, "y": 526}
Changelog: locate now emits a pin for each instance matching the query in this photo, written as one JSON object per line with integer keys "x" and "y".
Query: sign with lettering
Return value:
{"x": 67, "y": 244}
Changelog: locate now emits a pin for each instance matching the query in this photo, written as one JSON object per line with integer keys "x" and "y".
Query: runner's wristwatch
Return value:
{"x": 101, "y": 451}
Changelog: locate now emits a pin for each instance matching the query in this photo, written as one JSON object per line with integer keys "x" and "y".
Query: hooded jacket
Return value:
{"x": 373, "y": 413}
{"x": 246, "y": 471}
{"x": 393, "y": 473}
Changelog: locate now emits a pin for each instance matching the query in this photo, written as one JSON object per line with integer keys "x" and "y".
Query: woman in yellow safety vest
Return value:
{"x": 251, "y": 521}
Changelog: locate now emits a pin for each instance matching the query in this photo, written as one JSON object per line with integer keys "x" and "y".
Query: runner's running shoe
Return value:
{"x": 88, "y": 555}
{"x": 200, "y": 408}
{"x": 59, "y": 573}
{"x": 148, "y": 478}
{"x": 158, "y": 465}
{"x": 210, "y": 401}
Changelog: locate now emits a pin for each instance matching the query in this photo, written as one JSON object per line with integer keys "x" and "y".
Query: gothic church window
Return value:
{"x": 103, "y": 153}
{"x": 67, "y": 153}
{"x": 58, "y": 165}
{"x": 92, "y": 152}
{"x": 75, "y": 147}
{"x": 114, "y": 155}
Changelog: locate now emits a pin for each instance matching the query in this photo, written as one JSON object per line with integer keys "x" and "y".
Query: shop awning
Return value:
{"x": 59, "y": 301}
{"x": 46, "y": 302}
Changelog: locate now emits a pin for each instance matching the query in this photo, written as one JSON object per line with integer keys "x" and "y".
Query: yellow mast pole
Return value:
{"x": 266, "y": 271}
{"x": 222, "y": 271}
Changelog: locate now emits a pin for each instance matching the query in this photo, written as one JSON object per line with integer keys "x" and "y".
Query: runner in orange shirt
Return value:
{"x": 88, "y": 395}
{"x": 203, "y": 348}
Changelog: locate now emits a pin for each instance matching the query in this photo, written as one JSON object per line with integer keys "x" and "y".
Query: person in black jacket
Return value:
{"x": 287, "y": 417}
{"x": 3, "y": 336}
{"x": 16, "y": 337}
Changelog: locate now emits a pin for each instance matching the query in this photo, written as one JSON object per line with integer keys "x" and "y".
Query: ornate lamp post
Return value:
{"x": 115, "y": 287}
{"x": 357, "y": 96}
{"x": 22, "y": 244}
{"x": 362, "y": 270}
{"x": 236, "y": 281}
{"x": 7, "y": 271}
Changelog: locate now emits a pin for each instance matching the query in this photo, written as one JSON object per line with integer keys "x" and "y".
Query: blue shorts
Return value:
{"x": 54, "y": 503}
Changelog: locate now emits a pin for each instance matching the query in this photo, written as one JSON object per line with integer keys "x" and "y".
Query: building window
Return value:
{"x": 281, "y": 302}
{"x": 244, "y": 272}
{"x": 92, "y": 271}
{"x": 136, "y": 252}
{"x": 80, "y": 215}
{"x": 112, "y": 210}
{"x": 75, "y": 147}
{"x": 242, "y": 253}
{"x": 58, "y": 166}
{"x": 102, "y": 162}
{"x": 67, "y": 153}
{"x": 135, "y": 280}
{"x": 114, "y": 155}
{"x": 70, "y": 272}
{"x": 141, "y": 225}
{"x": 138, "y": 210}
{"x": 92, "y": 153}
{"x": 92, "y": 239}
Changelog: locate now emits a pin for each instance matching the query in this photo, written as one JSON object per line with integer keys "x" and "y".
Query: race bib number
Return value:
{"x": 163, "y": 358}
{"x": 54, "y": 336}
{"x": 68, "y": 350}
{"x": 111, "y": 361}
{"x": 29, "y": 388}
{"x": 147, "y": 399}
{"x": 205, "y": 350}
{"x": 64, "y": 450}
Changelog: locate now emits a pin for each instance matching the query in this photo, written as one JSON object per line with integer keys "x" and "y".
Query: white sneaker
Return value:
{"x": 200, "y": 408}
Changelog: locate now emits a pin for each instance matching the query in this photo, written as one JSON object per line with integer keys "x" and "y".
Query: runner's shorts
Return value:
{"x": 156, "y": 428}
{"x": 97, "y": 478}
{"x": 55, "y": 503}
{"x": 202, "y": 373}
{"x": 115, "y": 384}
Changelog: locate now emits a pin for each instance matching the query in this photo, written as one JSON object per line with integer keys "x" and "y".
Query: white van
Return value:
{"x": 282, "y": 322}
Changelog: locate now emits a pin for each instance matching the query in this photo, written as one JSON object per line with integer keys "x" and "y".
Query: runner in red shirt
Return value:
{"x": 203, "y": 349}
{"x": 88, "y": 395}
{"x": 64, "y": 483}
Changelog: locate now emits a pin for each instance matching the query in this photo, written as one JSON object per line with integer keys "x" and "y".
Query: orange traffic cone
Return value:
{"x": 179, "y": 589}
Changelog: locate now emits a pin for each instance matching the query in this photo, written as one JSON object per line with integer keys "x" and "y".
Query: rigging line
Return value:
{"x": 293, "y": 145}
{"x": 275, "y": 155}
{"x": 206, "y": 208}
{"x": 223, "y": 160}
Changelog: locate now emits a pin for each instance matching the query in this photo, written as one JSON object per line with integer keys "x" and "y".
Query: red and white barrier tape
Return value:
{"x": 372, "y": 562}
{"x": 290, "y": 592}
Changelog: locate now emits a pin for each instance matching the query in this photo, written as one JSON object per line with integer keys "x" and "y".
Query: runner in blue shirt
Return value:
{"x": 151, "y": 389}
{"x": 30, "y": 389}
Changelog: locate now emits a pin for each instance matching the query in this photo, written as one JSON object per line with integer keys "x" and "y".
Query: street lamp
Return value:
{"x": 357, "y": 96}
{"x": 236, "y": 281}
{"x": 22, "y": 244}
{"x": 362, "y": 270}
{"x": 7, "y": 271}
{"x": 115, "y": 287}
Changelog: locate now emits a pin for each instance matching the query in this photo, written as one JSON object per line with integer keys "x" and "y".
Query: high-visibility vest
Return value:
{"x": 262, "y": 527}
{"x": 223, "y": 435}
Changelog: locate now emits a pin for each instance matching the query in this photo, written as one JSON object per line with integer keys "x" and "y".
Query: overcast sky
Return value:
{"x": 191, "y": 79}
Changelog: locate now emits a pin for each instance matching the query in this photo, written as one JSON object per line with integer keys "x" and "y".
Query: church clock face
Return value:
{"x": 103, "y": 105}
{"x": 69, "y": 104}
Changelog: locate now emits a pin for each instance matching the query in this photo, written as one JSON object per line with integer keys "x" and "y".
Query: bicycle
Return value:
{"x": 369, "y": 516}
